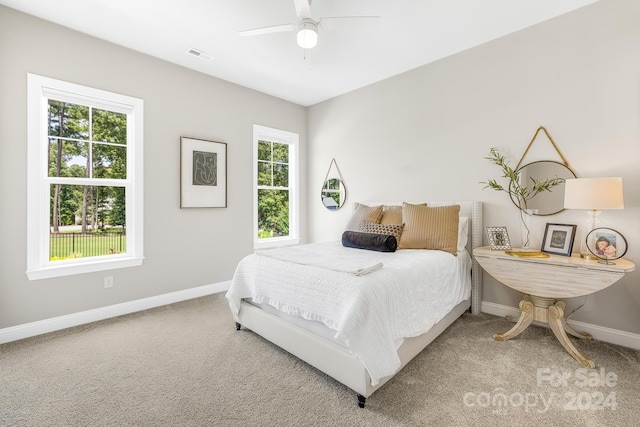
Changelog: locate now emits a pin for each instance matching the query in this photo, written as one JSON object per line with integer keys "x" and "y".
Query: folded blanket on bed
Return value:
{"x": 324, "y": 256}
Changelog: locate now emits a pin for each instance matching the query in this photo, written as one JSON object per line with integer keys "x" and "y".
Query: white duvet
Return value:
{"x": 404, "y": 296}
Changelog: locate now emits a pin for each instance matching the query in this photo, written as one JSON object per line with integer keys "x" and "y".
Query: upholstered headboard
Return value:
{"x": 473, "y": 211}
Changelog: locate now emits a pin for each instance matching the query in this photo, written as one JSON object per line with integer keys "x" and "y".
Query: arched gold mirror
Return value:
{"x": 333, "y": 194}
{"x": 545, "y": 202}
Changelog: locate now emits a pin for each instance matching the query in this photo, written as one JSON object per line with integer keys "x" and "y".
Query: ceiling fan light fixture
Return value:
{"x": 307, "y": 35}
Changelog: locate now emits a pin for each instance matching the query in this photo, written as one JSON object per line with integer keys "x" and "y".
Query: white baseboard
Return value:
{"x": 14, "y": 333}
{"x": 613, "y": 336}
{"x": 27, "y": 330}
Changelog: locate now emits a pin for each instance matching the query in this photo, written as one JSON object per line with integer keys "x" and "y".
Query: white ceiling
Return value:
{"x": 409, "y": 33}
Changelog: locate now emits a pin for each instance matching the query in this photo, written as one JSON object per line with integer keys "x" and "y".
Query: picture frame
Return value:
{"x": 606, "y": 244}
{"x": 558, "y": 239}
{"x": 498, "y": 238}
{"x": 203, "y": 173}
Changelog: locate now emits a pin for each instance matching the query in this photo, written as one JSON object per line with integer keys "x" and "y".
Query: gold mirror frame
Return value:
{"x": 333, "y": 193}
{"x": 547, "y": 202}
{"x": 544, "y": 197}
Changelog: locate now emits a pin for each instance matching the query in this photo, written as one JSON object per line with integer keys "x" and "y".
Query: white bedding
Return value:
{"x": 327, "y": 256}
{"x": 412, "y": 291}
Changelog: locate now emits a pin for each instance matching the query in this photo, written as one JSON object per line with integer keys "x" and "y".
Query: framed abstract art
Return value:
{"x": 203, "y": 173}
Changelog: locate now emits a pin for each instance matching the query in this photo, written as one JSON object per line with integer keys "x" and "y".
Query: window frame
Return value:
{"x": 264, "y": 133}
{"x": 39, "y": 90}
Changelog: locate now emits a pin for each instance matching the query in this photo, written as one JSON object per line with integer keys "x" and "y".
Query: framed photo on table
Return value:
{"x": 606, "y": 244}
{"x": 203, "y": 173}
{"x": 498, "y": 238}
{"x": 558, "y": 239}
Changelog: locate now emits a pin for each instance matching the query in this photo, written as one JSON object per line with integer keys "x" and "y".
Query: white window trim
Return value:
{"x": 39, "y": 89}
{"x": 292, "y": 139}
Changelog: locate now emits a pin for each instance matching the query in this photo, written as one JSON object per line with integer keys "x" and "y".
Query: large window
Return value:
{"x": 84, "y": 179}
{"x": 276, "y": 187}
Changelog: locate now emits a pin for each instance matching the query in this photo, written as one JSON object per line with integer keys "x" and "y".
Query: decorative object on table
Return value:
{"x": 606, "y": 244}
{"x": 333, "y": 193}
{"x": 558, "y": 239}
{"x": 203, "y": 173}
{"x": 593, "y": 195}
{"x": 498, "y": 238}
{"x": 526, "y": 253}
{"x": 535, "y": 188}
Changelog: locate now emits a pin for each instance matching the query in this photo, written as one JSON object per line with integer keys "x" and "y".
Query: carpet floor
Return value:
{"x": 185, "y": 365}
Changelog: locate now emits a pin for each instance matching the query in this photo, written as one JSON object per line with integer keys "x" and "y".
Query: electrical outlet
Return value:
{"x": 108, "y": 282}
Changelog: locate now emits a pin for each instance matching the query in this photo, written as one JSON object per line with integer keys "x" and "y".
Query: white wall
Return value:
{"x": 424, "y": 134}
{"x": 420, "y": 135}
{"x": 183, "y": 248}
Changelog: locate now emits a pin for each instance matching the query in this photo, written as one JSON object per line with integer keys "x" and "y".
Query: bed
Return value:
{"x": 362, "y": 343}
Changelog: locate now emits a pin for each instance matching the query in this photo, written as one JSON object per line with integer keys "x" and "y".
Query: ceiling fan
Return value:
{"x": 306, "y": 27}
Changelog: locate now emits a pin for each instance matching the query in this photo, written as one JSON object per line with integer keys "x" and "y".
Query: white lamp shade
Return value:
{"x": 307, "y": 35}
{"x": 593, "y": 193}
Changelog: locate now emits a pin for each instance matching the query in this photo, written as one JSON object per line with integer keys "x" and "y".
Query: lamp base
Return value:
{"x": 592, "y": 222}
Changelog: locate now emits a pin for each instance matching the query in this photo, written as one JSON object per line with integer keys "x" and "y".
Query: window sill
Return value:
{"x": 275, "y": 243}
{"x": 81, "y": 268}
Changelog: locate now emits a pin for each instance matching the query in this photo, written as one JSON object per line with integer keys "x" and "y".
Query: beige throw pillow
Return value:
{"x": 364, "y": 213}
{"x": 430, "y": 227}
{"x": 392, "y": 214}
{"x": 389, "y": 229}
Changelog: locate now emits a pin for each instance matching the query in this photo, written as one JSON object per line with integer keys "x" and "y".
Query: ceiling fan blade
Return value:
{"x": 303, "y": 8}
{"x": 268, "y": 30}
{"x": 334, "y": 21}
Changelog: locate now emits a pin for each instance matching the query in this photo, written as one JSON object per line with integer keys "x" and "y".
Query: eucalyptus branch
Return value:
{"x": 516, "y": 190}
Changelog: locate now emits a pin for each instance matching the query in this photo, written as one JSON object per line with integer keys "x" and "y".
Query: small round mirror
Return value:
{"x": 545, "y": 202}
{"x": 333, "y": 194}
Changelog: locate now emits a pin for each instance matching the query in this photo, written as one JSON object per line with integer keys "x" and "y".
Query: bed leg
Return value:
{"x": 361, "y": 400}
{"x": 238, "y": 326}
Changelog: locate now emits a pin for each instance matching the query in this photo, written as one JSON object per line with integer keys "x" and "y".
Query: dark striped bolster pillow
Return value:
{"x": 369, "y": 241}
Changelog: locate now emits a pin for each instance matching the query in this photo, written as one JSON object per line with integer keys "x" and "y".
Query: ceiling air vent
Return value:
{"x": 200, "y": 54}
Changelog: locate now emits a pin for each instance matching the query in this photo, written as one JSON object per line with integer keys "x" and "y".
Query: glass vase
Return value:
{"x": 526, "y": 216}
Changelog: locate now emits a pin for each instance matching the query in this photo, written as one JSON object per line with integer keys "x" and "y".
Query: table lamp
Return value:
{"x": 592, "y": 194}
